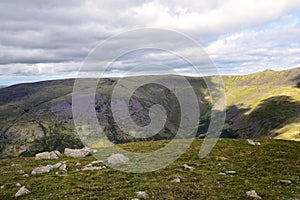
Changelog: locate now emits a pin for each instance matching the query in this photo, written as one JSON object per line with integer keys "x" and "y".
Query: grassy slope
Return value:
{"x": 263, "y": 95}
{"x": 258, "y": 168}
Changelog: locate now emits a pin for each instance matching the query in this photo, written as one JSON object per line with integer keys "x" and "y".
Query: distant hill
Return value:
{"x": 38, "y": 116}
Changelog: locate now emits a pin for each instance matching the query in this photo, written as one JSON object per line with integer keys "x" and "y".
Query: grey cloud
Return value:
{"x": 58, "y": 33}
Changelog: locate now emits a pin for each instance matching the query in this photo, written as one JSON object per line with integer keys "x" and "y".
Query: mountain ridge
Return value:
{"x": 35, "y": 115}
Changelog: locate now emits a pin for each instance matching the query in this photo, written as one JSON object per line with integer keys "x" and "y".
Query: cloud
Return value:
{"x": 51, "y": 38}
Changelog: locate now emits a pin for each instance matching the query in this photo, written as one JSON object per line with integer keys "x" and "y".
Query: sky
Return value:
{"x": 50, "y": 39}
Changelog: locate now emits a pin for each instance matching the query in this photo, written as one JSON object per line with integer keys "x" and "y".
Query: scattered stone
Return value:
{"x": 176, "y": 180}
{"x": 22, "y": 191}
{"x": 117, "y": 158}
{"x": 53, "y": 155}
{"x": 252, "y": 142}
{"x": 25, "y": 175}
{"x": 296, "y": 199}
{"x": 20, "y": 171}
{"x": 188, "y": 167}
{"x": 18, "y": 184}
{"x": 222, "y": 158}
{"x": 48, "y": 168}
{"x": 42, "y": 169}
{"x": 285, "y": 181}
{"x": 2, "y": 187}
{"x": 77, "y": 164}
{"x": 57, "y": 165}
{"x": 79, "y": 153}
{"x": 63, "y": 167}
{"x": 222, "y": 173}
{"x": 94, "y": 163}
{"x": 142, "y": 194}
{"x": 252, "y": 194}
{"x": 92, "y": 168}
{"x": 58, "y": 174}
{"x": 135, "y": 199}
{"x": 230, "y": 172}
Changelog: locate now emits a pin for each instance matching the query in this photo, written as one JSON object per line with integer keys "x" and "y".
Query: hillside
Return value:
{"x": 258, "y": 168}
{"x": 36, "y": 117}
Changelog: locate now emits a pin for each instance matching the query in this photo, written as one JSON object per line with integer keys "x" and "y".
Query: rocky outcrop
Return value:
{"x": 48, "y": 168}
{"x": 117, "y": 158}
{"x": 48, "y": 155}
{"x": 41, "y": 170}
{"x": 79, "y": 153}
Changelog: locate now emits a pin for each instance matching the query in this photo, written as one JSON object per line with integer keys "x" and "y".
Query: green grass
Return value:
{"x": 258, "y": 168}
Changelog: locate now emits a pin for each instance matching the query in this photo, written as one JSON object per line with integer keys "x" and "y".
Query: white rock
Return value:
{"x": 117, "y": 158}
{"x": 285, "y": 181}
{"x": 91, "y": 168}
{"x": 48, "y": 155}
{"x": 252, "y": 194}
{"x": 58, "y": 174}
{"x": 141, "y": 194}
{"x": 42, "y": 169}
{"x": 18, "y": 184}
{"x": 79, "y": 153}
{"x": 188, "y": 167}
{"x": 252, "y": 142}
{"x": 230, "y": 172}
{"x": 77, "y": 164}
{"x": 57, "y": 165}
{"x": 222, "y": 173}
{"x": 23, "y": 190}
{"x": 96, "y": 162}
{"x": 2, "y": 186}
{"x": 176, "y": 180}
{"x": 25, "y": 175}
{"x": 63, "y": 167}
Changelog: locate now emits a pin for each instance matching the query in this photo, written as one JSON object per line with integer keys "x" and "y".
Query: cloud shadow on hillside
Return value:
{"x": 271, "y": 114}
{"x": 297, "y": 80}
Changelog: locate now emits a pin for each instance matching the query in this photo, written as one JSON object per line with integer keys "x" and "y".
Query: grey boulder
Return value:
{"x": 79, "y": 153}
{"x": 42, "y": 169}
{"x": 48, "y": 155}
{"x": 252, "y": 194}
{"x": 45, "y": 169}
{"x": 23, "y": 190}
{"x": 117, "y": 158}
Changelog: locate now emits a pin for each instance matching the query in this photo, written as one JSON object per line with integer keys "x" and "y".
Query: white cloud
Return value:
{"x": 47, "y": 39}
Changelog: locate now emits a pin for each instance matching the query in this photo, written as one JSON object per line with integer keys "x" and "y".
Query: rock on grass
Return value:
{"x": 252, "y": 194}
{"x": 22, "y": 191}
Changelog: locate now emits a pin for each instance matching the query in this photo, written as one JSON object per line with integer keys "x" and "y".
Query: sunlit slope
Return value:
{"x": 265, "y": 104}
